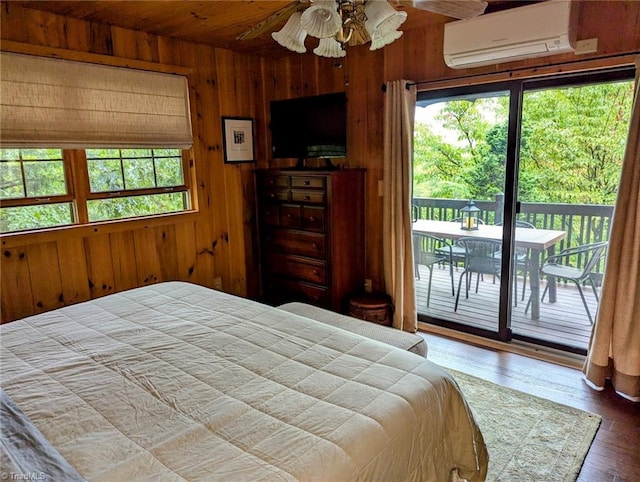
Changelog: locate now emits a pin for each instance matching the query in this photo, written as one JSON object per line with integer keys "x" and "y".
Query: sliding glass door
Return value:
{"x": 540, "y": 160}
{"x": 460, "y": 164}
{"x": 572, "y": 142}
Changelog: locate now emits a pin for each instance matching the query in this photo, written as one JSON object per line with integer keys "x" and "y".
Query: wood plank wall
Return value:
{"x": 43, "y": 271}
{"x": 47, "y": 270}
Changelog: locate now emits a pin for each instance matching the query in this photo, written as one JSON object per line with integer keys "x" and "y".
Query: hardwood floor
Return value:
{"x": 614, "y": 455}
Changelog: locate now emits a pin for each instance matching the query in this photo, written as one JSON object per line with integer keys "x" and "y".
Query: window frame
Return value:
{"x": 74, "y": 168}
{"x": 76, "y": 174}
{"x": 516, "y": 88}
{"x": 51, "y": 199}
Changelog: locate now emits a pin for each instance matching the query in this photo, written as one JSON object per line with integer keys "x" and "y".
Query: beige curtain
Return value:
{"x": 399, "y": 111}
{"x": 614, "y": 348}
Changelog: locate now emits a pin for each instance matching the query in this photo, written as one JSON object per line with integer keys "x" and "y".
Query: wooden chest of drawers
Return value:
{"x": 311, "y": 228}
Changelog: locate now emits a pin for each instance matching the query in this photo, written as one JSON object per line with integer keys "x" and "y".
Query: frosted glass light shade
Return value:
{"x": 382, "y": 19}
{"x": 321, "y": 19}
{"x": 292, "y": 34}
{"x": 379, "y": 41}
{"x": 329, "y": 47}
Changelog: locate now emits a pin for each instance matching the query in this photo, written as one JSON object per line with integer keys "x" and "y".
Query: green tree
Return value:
{"x": 572, "y": 143}
{"x": 576, "y": 138}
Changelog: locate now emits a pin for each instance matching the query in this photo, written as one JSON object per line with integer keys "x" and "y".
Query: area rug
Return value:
{"x": 528, "y": 438}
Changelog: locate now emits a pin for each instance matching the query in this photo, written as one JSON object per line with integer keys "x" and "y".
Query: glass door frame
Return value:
{"x": 514, "y": 92}
{"x": 516, "y": 89}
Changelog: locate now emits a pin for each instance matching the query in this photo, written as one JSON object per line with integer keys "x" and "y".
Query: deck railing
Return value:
{"x": 584, "y": 223}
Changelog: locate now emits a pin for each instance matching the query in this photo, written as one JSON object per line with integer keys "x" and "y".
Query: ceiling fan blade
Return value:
{"x": 452, "y": 8}
{"x": 272, "y": 20}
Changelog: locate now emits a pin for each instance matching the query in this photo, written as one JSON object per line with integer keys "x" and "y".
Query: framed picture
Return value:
{"x": 237, "y": 136}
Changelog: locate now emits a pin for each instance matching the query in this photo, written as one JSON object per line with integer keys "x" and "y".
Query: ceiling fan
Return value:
{"x": 338, "y": 23}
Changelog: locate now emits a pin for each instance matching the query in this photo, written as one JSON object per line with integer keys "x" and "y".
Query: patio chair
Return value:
{"x": 521, "y": 258}
{"x": 480, "y": 258}
{"x": 559, "y": 266}
{"x": 426, "y": 252}
{"x": 457, "y": 250}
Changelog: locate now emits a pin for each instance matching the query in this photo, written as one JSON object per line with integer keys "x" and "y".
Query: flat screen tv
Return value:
{"x": 310, "y": 127}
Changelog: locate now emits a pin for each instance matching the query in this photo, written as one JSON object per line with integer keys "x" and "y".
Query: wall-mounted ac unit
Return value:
{"x": 536, "y": 30}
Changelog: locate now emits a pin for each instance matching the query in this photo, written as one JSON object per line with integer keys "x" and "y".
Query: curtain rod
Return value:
{"x": 520, "y": 69}
{"x": 408, "y": 86}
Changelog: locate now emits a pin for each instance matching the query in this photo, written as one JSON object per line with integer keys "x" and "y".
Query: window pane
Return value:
{"x": 44, "y": 178}
{"x": 136, "y": 153}
{"x": 573, "y": 142}
{"x": 43, "y": 171}
{"x": 127, "y": 169}
{"x": 104, "y": 209}
{"x": 105, "y": 175}
{"x": 9, "y": 154}
{"x": 12, "y": 186}
{"x": 460, "y": 155}
{"x": 40, "y": 154}
{"x": 169, "y": 171}
{"x": 138, "y": 173}
{"x": 103, "y": 153}
{"x": 32, "y": 217}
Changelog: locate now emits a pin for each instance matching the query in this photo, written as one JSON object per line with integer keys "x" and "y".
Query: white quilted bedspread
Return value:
{"x": 179, "y": 382}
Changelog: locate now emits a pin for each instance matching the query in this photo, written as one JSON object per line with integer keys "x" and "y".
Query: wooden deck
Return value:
{"x": 564, "y": 322}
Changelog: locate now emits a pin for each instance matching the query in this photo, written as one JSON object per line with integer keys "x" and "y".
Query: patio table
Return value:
{"x": 537, "y": 240}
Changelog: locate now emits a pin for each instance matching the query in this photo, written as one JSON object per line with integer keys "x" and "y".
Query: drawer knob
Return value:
{"x": 307, "y": 198}
{"x": 289, "y": 216}
{"x": 306, "y": 183}
{"x": 272, "y": 195}
{"x": 314, "y": 245}
{"x": 312, "y": 218}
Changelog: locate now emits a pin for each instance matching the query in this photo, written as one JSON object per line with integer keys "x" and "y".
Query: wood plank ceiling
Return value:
{"x": 217, "y": 23}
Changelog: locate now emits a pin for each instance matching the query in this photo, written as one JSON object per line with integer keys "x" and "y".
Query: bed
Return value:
{"x": 175, "y": 381}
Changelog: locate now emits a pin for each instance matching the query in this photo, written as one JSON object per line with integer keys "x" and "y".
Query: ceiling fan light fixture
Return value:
{"x": 292, "y": 35}
{"x": 329, "y": 47}
{"x": 353, "y": 22}
{"x": 321, "y": 19}
{"x": 338, "y": 23}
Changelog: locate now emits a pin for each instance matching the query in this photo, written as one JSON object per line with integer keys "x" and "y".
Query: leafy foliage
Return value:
{"x": 572, "y": 143}
{"x": 34, "y": 174}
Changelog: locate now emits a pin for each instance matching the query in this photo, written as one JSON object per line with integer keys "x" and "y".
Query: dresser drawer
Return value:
{"x": 312, "y": 219}
{"x": 296, "y": 242}
{"x": 281, "y": 195}
{"x": 297, "y": 268}
{"x": 290, "y": 216}
{"x": 311, "y": 197}
{"x": 308, "y": 182}
{"x": 280, "y": 290}
{"x": 273, "y": 182}
{"x": 270, "y": 214}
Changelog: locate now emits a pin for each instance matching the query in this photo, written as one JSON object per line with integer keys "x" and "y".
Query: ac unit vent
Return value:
{"x": 546, "y": 28}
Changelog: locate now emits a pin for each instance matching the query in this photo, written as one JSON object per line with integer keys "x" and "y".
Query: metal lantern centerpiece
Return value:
{"x": 470, "y": 214}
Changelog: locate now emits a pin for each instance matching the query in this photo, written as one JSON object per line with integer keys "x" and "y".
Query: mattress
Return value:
{"x": 401, "y": 339}
{"x": 175, "y": 381}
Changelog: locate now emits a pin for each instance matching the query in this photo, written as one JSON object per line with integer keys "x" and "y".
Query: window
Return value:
{"x": 38, "y": 189}
{"x": 34, "y": 190}
{"x": 137, "y": 182}
{"x": 140, "y": 119}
